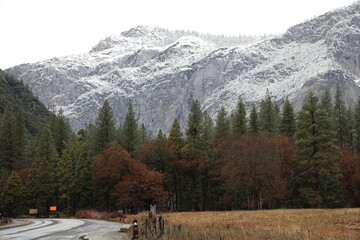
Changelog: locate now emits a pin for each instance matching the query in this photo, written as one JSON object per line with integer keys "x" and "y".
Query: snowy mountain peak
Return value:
{"x": 161, "y": 72}
{"x": 139, "y": 31}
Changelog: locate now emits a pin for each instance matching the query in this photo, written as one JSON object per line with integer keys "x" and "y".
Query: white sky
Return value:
{"x": 34, "y": 30}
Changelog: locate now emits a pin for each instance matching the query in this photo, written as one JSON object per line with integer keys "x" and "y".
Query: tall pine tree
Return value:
{"x": 42, "y": 185}
{"x": 104, "y": 130}
{"x": 60, "y": 129}
{"x": 316, "y": 179}
{"x": 239, "y": 120}
{"x": 287, "y": 126}
{"x": 12, "y": 198}
{"x": 254, "y": 120}
{"x": 340, "y": 119}
{"x": 222, "y": 127}
{"x": 176, "y": 136}
{"x": 267, "y": 116}
{"x": 194, "y": 125}
{"x": 130, "y": 131}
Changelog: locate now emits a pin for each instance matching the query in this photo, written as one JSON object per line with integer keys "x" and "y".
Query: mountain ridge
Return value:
{"x": 161, "y": 79}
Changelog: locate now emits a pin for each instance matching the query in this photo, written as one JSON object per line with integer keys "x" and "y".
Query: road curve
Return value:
{"x": 56, "y": 229}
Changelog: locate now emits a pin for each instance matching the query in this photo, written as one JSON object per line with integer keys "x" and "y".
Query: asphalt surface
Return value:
{"x": 64, "y": 229}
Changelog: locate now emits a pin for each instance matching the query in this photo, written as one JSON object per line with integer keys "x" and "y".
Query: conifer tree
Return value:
{"x": 326, "y": 103}
{"x": 191, "y": 188}
{"x": 42, "y": 184}
{"x": 350, "y": 138}
{"x": 144, "y": 135}
{"x": 277, "y": 119}
{"x": 75, "y": 176}
{"x": 60, "y": 129}
{"x": 287, "y": 127}
{"x": 67, "y": 175}
{"x": 316, "y": 179}
{"x": 267, "y": 116}
{"x": 194, "y": 125}
{"x": 254, "y": 120}
{"x": 161, "y": 135}
{"x": 340, "y": 115}
{"x": 104, "y": 130}
{"x": 83, "y": 180}
{"x": 222, "y": 127}
{"x": 176, "y": 136}
{"x": 13, "y": 196}
{"x": 207, "y": 138}
{"x": 130, "y": 131}
{"x": 207, "y": 154}
{"x": 239, "y": 120}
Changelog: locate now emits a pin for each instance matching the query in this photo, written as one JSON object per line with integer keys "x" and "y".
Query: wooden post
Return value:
{"x": 135, "y": 230}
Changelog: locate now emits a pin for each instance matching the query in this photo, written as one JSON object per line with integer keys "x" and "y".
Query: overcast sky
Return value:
{"x": 34, "y": 30}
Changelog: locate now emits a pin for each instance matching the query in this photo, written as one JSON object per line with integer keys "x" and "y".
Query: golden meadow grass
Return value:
{"x": 265, "y": 224}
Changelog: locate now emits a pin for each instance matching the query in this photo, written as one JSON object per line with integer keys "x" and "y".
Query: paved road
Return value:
{"x": 65, "y": 229}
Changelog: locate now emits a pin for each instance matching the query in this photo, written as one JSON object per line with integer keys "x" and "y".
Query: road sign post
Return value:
{"x": 33, "y": 211}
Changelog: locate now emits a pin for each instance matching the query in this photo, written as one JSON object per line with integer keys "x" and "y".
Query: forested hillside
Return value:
{"x": 14, "y": 94}
{"x": 273, "y": 158}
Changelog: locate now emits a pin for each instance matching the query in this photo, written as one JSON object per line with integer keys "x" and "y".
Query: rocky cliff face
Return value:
{"x": 161, "y": 72}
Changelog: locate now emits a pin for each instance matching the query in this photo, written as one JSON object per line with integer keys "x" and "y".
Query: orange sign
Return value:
{"x": 33, "y": 211}
{"x": 53, "y": 208}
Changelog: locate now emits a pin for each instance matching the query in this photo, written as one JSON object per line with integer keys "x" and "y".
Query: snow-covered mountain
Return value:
{"x": 160, "y": 72}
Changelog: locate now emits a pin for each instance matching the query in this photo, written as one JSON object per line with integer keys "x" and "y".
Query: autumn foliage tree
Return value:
{"x": 120, "y": 180}
{"x": 251, "y": 166}
{"x": 108, "y": 169}
{"x": 140, "y": 188}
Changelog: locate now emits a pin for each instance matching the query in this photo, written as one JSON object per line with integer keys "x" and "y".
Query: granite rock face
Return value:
{"x": 160, "y": 72}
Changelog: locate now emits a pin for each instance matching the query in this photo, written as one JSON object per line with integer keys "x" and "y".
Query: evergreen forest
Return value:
{"x": 269, "y": 157}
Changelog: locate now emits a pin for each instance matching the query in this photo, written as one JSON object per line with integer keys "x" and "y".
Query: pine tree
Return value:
{"x": 340, "y": 118}
{"x": 267, "y": 116}
{"x": 83, "y": 179}
{"x": 83, "y": 190}
{"x": 326, "y": 103}
{"x": 176, "y": 136}
{"x": 350, "y": 138}
{"x": 75, "y": 176}
{"x": 316, "y": 179}
{"x": 254, "y": 120}
{"x": 66, "y": 169}
{"x": 60, "y": 129}
{"x": 12, "y": 198}
{"x": 207, "y": 154}
{"x": 277, "y": 119}
{"x": 287, "y": 127}
{"x": 239, "y": 121}
{"x": 130, "y": 131}
{"x": 194, "y": 125}
{"x": 144, "y": 134}
{"x": 161, "y": 136}
{"x": 222, "y": 127}
{"x": 42, "y": 184}
{"x": 104, "y": 131}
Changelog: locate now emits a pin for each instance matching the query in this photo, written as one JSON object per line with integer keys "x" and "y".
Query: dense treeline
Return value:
{"x": 272, "y": 159}
{"x": 17, "y": 95}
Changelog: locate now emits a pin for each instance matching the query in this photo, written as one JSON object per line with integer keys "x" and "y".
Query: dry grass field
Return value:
{"x": 266, "y": 224}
